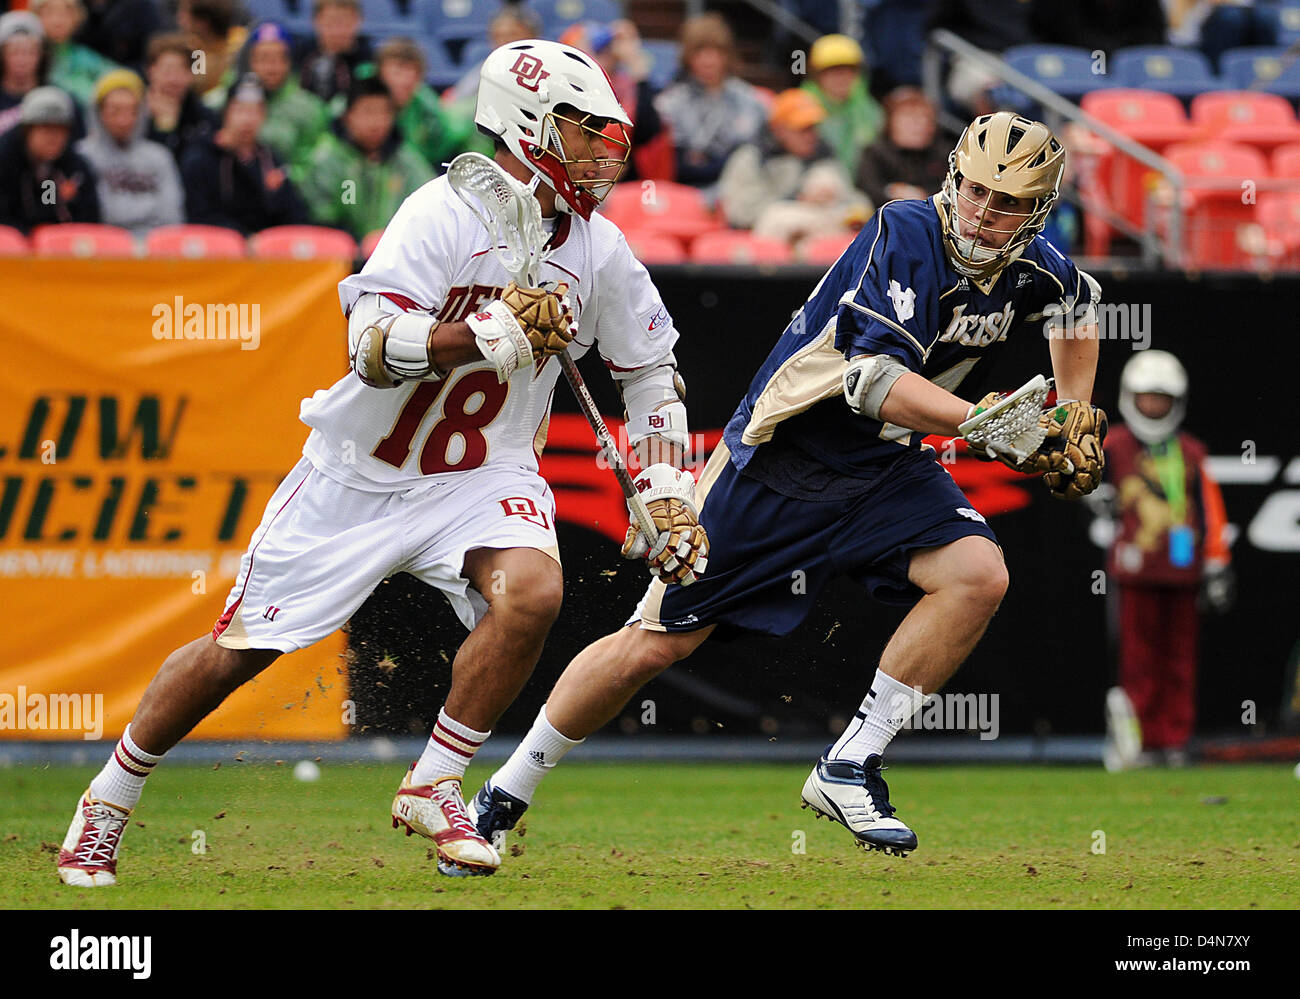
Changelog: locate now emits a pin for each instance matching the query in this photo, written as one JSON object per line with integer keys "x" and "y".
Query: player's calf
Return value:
{"x": 857, "y": 797}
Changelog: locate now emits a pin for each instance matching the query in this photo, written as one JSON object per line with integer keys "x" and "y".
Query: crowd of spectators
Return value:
{"x": 139, "y": 114}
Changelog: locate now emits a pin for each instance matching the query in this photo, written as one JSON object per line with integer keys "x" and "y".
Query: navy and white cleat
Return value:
{"x": 857, "y": 797}
{"x": 494, "y": 813}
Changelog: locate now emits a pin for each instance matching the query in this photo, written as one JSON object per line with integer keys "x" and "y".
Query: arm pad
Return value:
{"x": 387, "y": 346}
{"x": 867, "y": 380}
{"x": 655, "y": 401}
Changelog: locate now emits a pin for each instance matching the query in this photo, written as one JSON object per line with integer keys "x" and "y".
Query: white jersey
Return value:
{"x": 436, "y": 257}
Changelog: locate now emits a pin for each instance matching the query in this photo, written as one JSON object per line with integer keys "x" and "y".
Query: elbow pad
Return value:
{"x": 867, "y": 380}
{"x": 655, "y": 403}
{"x": 387, "y": 348}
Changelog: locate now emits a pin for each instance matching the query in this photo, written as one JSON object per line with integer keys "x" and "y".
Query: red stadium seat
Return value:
{"x": 13, "y": 243}
{"x": 1155, "y": 120}
{"x": 302, "y": 242}
{"x": 1263, "y": 120}
{"x": 1217, "y": 216}
{"x": 1279, "y": 218}
{"x": 370, "y": 242}
{"x": 730, "y": 246}
{"x": 200, "y": 242}
{"x": 1286, "y": 160}
{"x": 82, "y": 239}
{"x": 654, "y": 248}
{"x": 662, "y": 207}
{"x": 825, "y": 250}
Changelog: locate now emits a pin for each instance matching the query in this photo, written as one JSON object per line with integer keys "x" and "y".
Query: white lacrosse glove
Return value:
{"x": 680, "y": 553}
{"x": 500, "y": 339}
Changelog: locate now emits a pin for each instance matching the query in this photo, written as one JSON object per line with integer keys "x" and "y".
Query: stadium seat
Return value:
{"x": 1063, "y": 69}
{"x": 1279, "y": 217}
{"x": 13, "y": 243}
{"x": 1181, "y": 72}
{"x": 302, "y": 242}
{"x": 556, "y": 15}
{"x": 440, "y": 70}
{"x": 1288, "y": 30}
{"x": 653, "y": 248}
{"x": 1286, "y": 162}
{"x": 665, "y": 60}
{"x": 825, "y": 250}
{"x": 1217, "y": 215}
{"x": 1154, "y": 119}
{"x": 204, "y": 242}
{"x": 455, "y": 19}
{"x": 662, "y": 207}
{"x": 80, "y": 239}
{"x": 370, "y": 242}
{"x": 1263, "y": 70}
{"x": 1265, "y": 121}
{"x": 730, "y": 246}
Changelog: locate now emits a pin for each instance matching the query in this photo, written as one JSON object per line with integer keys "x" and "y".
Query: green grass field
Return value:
{"x": 681, "y": 836}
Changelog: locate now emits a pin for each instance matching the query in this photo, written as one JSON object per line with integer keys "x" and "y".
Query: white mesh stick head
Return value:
{"x": 1011, "y": 426}
{"x": 507, "y": 209}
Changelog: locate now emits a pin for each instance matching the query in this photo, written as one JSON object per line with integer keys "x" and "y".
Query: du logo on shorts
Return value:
{"x": 522, "y": 506}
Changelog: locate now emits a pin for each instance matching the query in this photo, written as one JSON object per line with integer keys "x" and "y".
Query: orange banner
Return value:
{"x": 148, "y": 409}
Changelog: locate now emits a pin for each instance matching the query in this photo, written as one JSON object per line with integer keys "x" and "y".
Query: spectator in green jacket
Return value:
{"x": 75, "y": 68}
{"x": 853, "y": 118}
{"x": 435, "y": 132}
{"x": 360, "y": 170}
{"x": 295, "y": 118}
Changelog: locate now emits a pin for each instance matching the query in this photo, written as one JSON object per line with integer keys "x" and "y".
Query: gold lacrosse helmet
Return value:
{"x": 1007, "y": 154}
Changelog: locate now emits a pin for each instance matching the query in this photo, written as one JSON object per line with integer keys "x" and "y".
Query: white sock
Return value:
{"x": 451, "y": 746}
{"x": 121, "y": 782}
{"x": 886, "y": 709}
{"x": 533, "y": 759}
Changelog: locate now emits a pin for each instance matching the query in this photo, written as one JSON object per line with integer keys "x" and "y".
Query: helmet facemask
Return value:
{"x": 553, "y": 159}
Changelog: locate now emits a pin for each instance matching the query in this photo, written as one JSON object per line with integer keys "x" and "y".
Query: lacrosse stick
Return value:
{"x": 1011, "y": 425}
{"x": 513, "y": 219}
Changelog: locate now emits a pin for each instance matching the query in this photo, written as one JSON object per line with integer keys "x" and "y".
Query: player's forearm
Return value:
{"x": 918, "y": 404}
{"x": 454, "y": 345}
{"x": 1074, "y": 362}
{"x": 656, "y": 450}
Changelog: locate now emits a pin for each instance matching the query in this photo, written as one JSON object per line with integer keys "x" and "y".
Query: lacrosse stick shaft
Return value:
{"x": 606, "y": 441}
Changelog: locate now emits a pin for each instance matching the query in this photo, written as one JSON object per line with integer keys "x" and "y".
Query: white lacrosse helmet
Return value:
{"x": 1153, "y": 371}
{"x": 521, "y": 87}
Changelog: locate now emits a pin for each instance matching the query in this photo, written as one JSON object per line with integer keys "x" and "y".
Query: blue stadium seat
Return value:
{"x": 556, "y": 15}
{"x": 1264, "y": 69}
{"x": 1064, "y": 69}
{"x": 1181, "y": 72}
{"x": 474, "y": 52}
{"x": 455, "y": 19}
{"x": 383, "y": 18}
{"x": 440, "y": 70}
{"x": 1288, "y": 31}
{"x": 665, "y": 60}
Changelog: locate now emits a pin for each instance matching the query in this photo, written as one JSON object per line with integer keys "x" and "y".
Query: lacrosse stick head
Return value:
{"x": 1011, "y": 426}
{"x": 555, "y": 111}
{"x": 508, "y": 210}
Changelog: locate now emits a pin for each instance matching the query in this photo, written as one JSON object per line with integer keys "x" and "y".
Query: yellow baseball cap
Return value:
{"x": 118, "y": 79}
{"x": 834, "y": 50}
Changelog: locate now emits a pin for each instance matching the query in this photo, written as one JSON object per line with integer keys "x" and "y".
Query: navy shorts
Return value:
{"x": 771, "y": 555}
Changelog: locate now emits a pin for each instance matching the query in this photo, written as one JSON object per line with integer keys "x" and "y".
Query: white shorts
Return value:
{"x": 323, "y": 547}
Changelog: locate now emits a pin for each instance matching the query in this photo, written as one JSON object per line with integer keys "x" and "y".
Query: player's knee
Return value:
{"x": 649, "y": 653}
{"x": 532, "y": 600}
{"x": 980, "y": 578}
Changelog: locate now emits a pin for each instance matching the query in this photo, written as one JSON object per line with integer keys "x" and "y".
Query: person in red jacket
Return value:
{"x": 1168, "y": 547}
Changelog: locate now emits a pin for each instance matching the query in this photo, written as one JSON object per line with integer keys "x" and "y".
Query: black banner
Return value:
{"x": 1046, "y": 653}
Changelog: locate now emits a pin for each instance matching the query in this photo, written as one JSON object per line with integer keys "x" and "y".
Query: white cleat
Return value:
{"x": 437, "y": 811}
{"x": 857, "y": 797}
{"x": 88, "y": 858}
{"x": 1123, "y": 746}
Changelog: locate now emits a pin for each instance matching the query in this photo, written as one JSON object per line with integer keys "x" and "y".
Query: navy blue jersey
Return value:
{"x": 892, "y": 292}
